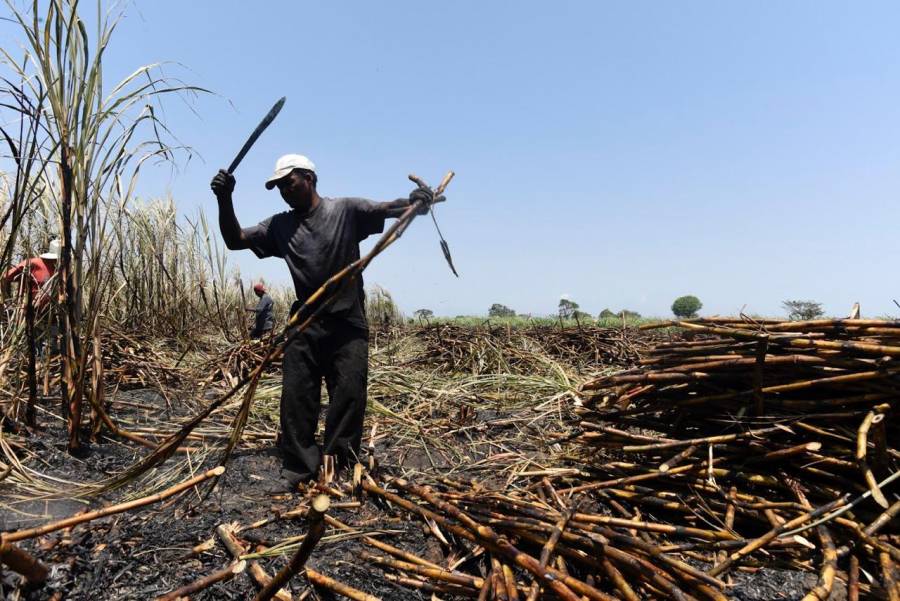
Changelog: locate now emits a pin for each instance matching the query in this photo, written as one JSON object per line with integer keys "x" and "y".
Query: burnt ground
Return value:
{"x": 145, "y": 553}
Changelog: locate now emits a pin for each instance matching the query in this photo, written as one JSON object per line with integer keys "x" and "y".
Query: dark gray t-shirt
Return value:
{"x": 320, "y": 243}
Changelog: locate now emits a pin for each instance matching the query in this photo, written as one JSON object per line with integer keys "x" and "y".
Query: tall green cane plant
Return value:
{"x": 99, "y": 140}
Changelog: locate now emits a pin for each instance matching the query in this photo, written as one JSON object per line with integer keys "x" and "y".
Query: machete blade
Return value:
{"x": 267, "y": 120}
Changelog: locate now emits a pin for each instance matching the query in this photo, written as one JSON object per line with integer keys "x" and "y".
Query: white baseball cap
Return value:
{"x": 52, "y": 250}
{"x": 286, "y": 164}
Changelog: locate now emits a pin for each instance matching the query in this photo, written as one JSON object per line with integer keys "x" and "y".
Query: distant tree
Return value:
{"x": 567, "y": 308}
{"x": 606, "y": 314}
{"x": 498, "y": 310}
{"x": 803, "y": 309}
{"x": 626, "y": 314}
{"x": 423, "y": 314}
{"x": 686, "y": 306}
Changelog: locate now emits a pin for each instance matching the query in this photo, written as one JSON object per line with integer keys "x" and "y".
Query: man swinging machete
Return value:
{"x": 317, "y": 237}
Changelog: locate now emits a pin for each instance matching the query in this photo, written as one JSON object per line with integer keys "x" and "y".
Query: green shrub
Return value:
{"x": 423, "y": 314}
{"x": 686, "y": 306}
{"x": 803, "y": 310}
{"x": 498, "y": 310}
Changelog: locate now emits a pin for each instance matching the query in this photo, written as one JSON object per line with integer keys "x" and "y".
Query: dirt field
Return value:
{"x": 440, "y": 410}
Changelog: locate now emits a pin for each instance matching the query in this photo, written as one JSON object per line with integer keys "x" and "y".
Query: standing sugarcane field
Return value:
{"x": 440, "y": 301}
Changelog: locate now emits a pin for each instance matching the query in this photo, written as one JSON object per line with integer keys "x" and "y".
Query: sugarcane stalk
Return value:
{"x": 486, "y": 587}
{"x": 449, "y": 576}
{"x": 498, "y": 584}
{"x": 889, "y": 577}
{"x": 430, "y": 587}
{"x": 18, "y": 535}
{"x": 22, "y": 562}
{"x": 618, "y": 580}
{"x": 30, "y": 418}
{"x": 678, "y": 458}
{"x": 874, "y": 416}
{"x": 822, "y": 590}
{"x": 554, "y": 579}
{"x": 255, "y": 570}
{"x": 222, "y": 575}
{"x": 853, "y": 579}
{"x": 509, "y": 580}
{"x": 771, "y": 535}
{"x": 550, "y": 545}
{"x": 321, "y": 580}
{"x": 315, "y": 518}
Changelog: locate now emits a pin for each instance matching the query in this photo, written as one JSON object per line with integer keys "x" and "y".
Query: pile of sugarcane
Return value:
{"x": 132, "y": 361}
{"x": 525, "y": 350}
{"x": 540, "y": 543}
{"x": 768, "y": 433}
{"x": 593, "y": 345}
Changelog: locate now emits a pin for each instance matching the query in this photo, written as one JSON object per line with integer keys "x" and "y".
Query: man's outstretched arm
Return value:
{"x": 395, "y": 208}
{"x": 222, "y": 186}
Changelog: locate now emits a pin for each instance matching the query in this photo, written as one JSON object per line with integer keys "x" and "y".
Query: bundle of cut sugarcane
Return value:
{"x": 543, "y": 544}
{"x": 770, "y": 431}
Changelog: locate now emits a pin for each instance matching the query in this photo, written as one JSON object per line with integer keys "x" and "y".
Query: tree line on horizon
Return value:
{"x": 684, "y": 307}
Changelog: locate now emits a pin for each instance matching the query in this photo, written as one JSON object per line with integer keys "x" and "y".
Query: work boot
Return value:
{"x": 288, "y": 482}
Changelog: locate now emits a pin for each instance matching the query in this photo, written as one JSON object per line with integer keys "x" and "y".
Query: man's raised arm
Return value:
{"x": 222, "y": 186}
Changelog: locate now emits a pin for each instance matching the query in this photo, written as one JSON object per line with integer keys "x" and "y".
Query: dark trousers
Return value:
{"x": 333, "y": 350}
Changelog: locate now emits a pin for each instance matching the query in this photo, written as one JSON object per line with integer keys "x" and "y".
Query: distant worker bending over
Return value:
{"x": 40, "y": 270}
{"x": 317, "y": 237}
{"x": 263, "y": 320}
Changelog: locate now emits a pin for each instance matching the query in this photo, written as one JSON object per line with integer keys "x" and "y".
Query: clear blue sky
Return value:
{"x": 620, "y": 153}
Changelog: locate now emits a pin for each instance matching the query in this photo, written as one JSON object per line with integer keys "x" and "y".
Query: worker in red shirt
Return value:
{"x": 40, "y": 269}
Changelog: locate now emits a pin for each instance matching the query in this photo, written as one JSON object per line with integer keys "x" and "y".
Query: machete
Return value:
{"x": 267, "y": 120}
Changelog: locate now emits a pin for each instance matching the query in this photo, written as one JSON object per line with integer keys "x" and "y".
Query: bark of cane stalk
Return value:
{"x": 22, "y": 563}
{"x": 889, "y": 577}
{"x": 316, "y": 519}
{"x": 853, "y": 579}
